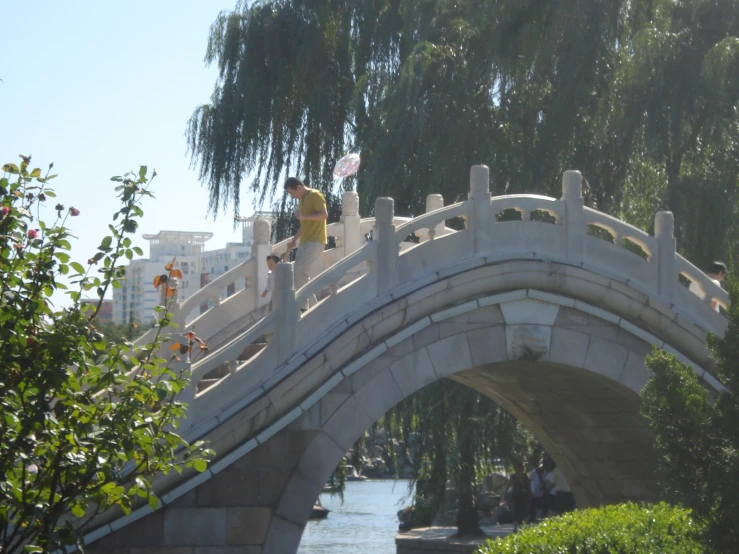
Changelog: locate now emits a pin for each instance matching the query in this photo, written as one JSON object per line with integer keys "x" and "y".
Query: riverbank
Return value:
{"x": 442, "y": 540}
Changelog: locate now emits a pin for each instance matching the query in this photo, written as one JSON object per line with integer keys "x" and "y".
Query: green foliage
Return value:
{"x": 81, "y": 432}
{"x": 641, "y": 96}
{"x": 116, "y": 333}
{"x": 697, "y": 437}
{"x": 458, "y": 433}
{"x": 619, "y": 529}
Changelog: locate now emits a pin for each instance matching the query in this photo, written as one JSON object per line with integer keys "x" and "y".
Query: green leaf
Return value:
{"x": 153, "y": 502}
{"x": 106, "y": 242}
{"x": 36, "y": 172}
{"x": 138, "y": 251}
{"x": 200, "y": 465}
{"x": 78, "y": 268}
{"x": 78, "y": 511}
{"x": 142, "y": 172}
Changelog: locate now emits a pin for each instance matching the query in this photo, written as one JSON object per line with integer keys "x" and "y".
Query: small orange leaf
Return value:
{"x": 175, "y": 346}
{"x": 204, "y": 347}
{"x": 175, "y": 273}
{"x": 168, "y": 267}
{"x": 156, "y": 281}
{"x": 170, "y": 292}
{"x": 190, "y": 335}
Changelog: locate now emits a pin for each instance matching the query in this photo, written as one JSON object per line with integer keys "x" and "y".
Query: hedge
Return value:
{"x": 619, "y": 529}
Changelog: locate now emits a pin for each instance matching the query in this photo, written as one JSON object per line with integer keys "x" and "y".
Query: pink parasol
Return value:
{"x": 346, "y": 166}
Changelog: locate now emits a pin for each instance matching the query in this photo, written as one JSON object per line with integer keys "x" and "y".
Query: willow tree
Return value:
{"x": 642, "y": 96}
{"x": 459, "y": 436}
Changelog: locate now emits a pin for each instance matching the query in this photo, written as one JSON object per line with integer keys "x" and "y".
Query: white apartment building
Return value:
{"x": 136, "y": 299}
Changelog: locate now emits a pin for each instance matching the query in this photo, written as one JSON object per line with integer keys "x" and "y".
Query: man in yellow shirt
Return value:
{"x": 312, "y": 214}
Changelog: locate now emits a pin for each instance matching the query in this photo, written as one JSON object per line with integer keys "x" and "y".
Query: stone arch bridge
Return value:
{"x": 549, "y": 320}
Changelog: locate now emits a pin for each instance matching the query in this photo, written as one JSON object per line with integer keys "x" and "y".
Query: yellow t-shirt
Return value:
{"x": 312, "y": 231}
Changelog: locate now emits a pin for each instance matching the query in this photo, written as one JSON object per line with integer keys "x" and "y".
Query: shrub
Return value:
{"x": 619, "y": 529}
{"x": 696, "y": 436}
{"x": 85, "y": 424}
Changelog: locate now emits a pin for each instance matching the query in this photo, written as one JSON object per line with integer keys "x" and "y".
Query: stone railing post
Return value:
{"x": 260, "y": 251}
{"x": 386, "y": 266}
{"x": 285, "y": 338}
{"x": 574, "y": 219}
{"x": 664, "y": 232}
{"x": 435, "y": 202}
{"x": 481, "y": 218}
{"x": 352, "y": 222}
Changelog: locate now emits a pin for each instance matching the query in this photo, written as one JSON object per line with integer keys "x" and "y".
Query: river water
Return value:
{"x": 366, "y": 523}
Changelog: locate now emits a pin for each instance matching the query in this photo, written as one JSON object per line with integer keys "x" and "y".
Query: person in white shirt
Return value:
{"x": 565, "y": 499}
{"x": 716, "y": 272}
{"x": 272, "y": 262}
{"x": 538, "y": 492}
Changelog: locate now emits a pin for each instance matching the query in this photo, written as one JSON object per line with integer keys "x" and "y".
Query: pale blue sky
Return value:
{"x": 102, "y": 87}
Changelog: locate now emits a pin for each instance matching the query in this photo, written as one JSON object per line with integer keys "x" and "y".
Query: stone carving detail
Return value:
{"x": 528, "y": 342}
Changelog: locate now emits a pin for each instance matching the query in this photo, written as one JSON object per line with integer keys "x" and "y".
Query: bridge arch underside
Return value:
{"x": 568, "y": 376}
{"x": 561, "y": 348}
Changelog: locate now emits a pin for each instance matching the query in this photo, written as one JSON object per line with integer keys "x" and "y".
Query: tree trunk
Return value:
{"x": 467, "y": 522}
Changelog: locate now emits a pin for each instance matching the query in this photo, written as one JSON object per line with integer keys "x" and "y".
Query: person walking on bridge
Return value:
{"x": 312, "y": 214}
{"x": 716, "y": 272}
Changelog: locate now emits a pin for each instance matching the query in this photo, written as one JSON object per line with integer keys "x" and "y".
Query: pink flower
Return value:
{"x": 33, "y": 234}
{"x": 74, "y": 212}
{"x": 4, "y": 210}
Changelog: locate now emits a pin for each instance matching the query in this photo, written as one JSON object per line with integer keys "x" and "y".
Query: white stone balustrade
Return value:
{"x": 363, "y": 271}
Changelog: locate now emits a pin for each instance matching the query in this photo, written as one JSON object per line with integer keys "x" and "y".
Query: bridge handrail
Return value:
{"x": 331, "y": 276}
{"x": 382, "y": 256}
{"x": 621, "y": 230}
{"x": 430, "y": 220}
{"x": 528, "y": 203}
{"x": 222, "y": 282}
{"x": 710, "y": 290}
{"x": 231, "y": 350}
{"x": 367, "y": 224}
{"x": 332, "y": 230}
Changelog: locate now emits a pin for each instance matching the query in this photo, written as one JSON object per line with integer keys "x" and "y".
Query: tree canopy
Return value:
{"x": 642, "y": 96}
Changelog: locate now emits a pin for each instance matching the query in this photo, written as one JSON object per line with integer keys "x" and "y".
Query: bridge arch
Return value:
{"x": 563, "y": 308}
{"x": 569, "y": 370}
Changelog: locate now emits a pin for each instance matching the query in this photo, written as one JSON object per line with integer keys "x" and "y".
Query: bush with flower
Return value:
{"x": 85, "y": 423}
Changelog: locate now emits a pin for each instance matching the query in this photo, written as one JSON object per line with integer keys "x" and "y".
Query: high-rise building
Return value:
{"x": 136, "y": 299}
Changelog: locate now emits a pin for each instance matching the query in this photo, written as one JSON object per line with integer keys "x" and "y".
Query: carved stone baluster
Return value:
{"x": 482, "y": 216}
{"x": 435, "y": 202}
{"x": 286, "y": 333}
{"x": 664, "y": 232}
{"x": 352, "y": 222}
{"x": 387, "y": 246}
{"x": 574, "y": 220}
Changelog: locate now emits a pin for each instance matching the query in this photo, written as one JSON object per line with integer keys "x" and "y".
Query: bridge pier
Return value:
{"x": 228, "y": 514}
